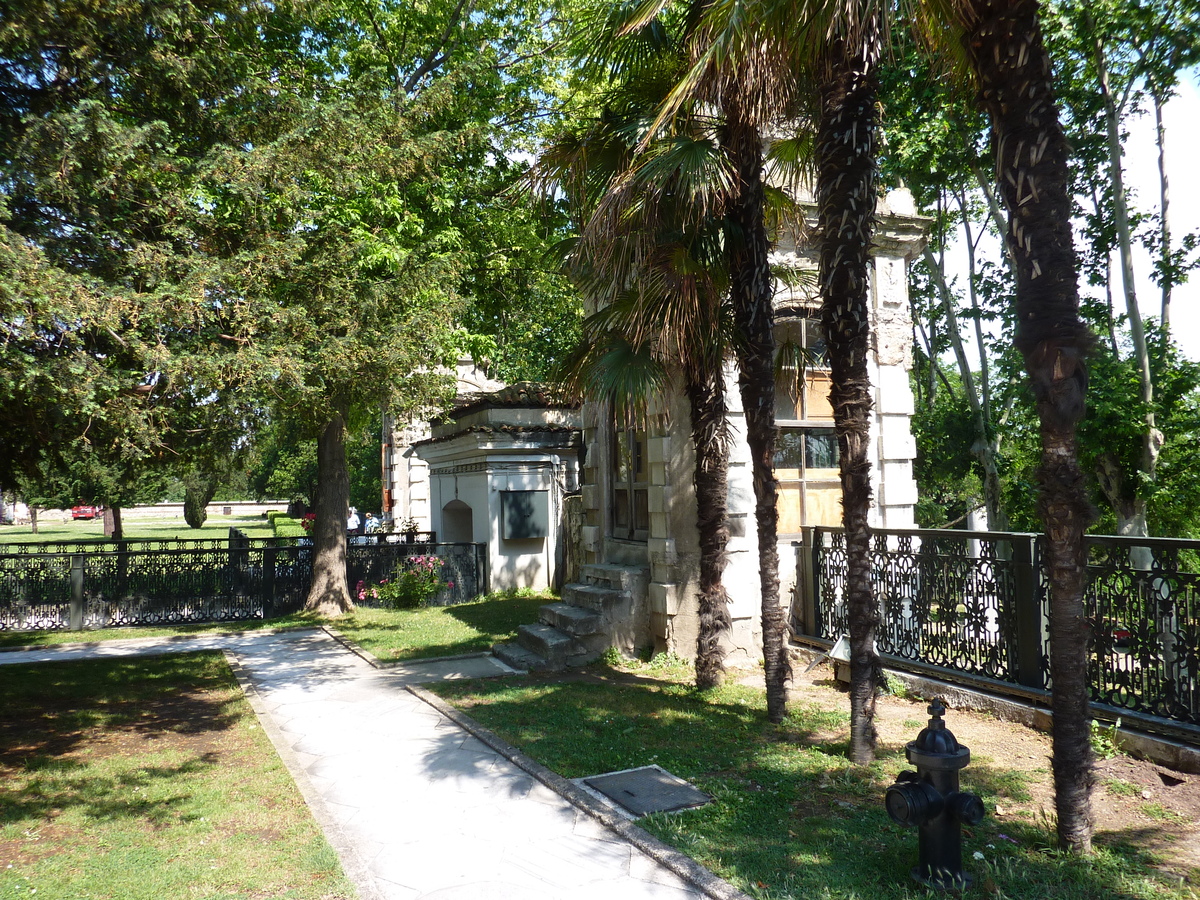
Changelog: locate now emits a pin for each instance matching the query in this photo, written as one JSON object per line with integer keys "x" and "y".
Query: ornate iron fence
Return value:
{"x": 114, "y": 584}
{"x": 463, "y": 566}
{"x": 977, "y": 603}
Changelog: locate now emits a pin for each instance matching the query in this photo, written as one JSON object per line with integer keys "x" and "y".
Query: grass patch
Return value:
{"x": 55, "y": 529}
{"x": 792, "y": 818}
{"x": 148, "y": 778}
{"x": 398, "y": 634}
{"x": 1120, "y": 788}
{"x": 388, "y": 634}
{"x": 19, "y": 639}
{"x": 1160, "y": 812}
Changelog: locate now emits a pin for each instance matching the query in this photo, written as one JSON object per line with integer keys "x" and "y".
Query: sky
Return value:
{"x": 1182, "y": 118}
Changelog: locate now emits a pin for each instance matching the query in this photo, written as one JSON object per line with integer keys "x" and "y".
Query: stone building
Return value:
{"x": 639, "y": 535}
{"x": 638, "y": 549}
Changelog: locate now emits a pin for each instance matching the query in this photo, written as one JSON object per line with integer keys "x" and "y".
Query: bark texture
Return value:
{"x": 847, "y": 142}
{"x": 706, "y": 398}
{"x": 753, "y": 313}
{"x": 1004, "y": 44}
{"x": 329, "y": 594}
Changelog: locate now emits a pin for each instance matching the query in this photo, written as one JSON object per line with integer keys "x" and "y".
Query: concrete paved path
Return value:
{"x": 416, "y": 806}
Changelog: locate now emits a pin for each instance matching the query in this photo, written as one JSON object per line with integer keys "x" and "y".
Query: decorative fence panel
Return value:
{"x": 463, "y": 566}
{"x": 75, "y": 586}
{"x": 1143, "y": 599}
{"x": 978, "y": 603}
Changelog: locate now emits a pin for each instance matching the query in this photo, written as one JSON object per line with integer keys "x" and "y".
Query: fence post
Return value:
{"x": 806, "y": 581}
{"x": 1027, "y": 611}
{"x": 268, "y": 581}
{"x": 76, "y": 623}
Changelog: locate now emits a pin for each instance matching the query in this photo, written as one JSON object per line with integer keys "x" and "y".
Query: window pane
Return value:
{"x": 789, "y": 449}
{"x": 641, "y": 510}
{"x": 815, "y": 341}
{"x": 621, "y": 509}
{"x": 821, "y": 449}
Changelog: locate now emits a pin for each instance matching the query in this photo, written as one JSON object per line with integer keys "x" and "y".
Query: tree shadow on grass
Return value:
{"x": 790, "y": 818}
{"x": 52, "y": 709}
{"x": 49, "y": 787}
{"x": 499, "y": 616}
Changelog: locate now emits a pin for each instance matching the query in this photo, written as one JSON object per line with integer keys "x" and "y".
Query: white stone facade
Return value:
{"x": 643, "y": 514}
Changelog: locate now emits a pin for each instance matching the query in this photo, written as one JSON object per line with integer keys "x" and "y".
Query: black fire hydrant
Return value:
{"x": 930, "y": 799}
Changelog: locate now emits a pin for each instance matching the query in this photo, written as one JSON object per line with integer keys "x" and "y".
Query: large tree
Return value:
{"x": 1007, "y": 55}
{"x": 847, "y": 145}
{"x": 106, "y": 118}
{"x": 649, "y": 261}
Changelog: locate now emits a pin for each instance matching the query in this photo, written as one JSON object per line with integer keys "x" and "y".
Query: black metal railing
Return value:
{"x": 88, "y": 585}
{"x": 977, "y": 603}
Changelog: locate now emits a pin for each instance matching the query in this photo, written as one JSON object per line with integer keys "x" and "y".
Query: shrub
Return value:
{"x": 415, "y": 581}
{"x": 286, "y": 526}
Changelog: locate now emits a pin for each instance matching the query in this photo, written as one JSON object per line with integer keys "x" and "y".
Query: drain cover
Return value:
{"x": 649, "y": 789}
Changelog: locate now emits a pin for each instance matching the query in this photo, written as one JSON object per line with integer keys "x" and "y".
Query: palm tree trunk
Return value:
{"x": 1004, "y": 44}
{"x": 329, "y": 594}
{"x": 847, "y": 138}
{"x": 706, "y": 398}
{"x": 751, "y": 291}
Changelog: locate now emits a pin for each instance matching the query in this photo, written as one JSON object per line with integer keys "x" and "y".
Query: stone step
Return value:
{"x": 519, "y": 658}
{"x": 612, "y": 576}
{"x": 547, "y": 642}
{"x": 593, "y": 597}
{"x": 573, "y": 620}
{"x": 588, "y": 649}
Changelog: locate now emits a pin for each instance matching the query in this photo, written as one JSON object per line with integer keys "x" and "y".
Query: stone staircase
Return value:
{"x": 592, "y": 616}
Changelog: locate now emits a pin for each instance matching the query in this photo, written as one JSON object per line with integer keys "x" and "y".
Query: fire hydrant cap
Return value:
{"x": 936, "y": 744}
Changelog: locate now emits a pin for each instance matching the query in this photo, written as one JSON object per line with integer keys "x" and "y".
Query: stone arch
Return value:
{"x": 458, "y": 523}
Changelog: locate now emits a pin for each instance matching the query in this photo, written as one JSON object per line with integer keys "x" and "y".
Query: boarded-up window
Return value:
{"x": 526, "y": 514}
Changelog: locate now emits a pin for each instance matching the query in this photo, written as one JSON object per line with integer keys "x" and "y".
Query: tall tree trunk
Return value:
{"x": 1164, "y": 217}
{"x": 1004, "y": 44}
{"x": 329, "y": 594}
{"x": 114, "y": 527}
{"x": 751, "y": 291}
{"x": 1152, "y": 438}
{"x": 847, "y": 138}
{"x": 706, "y": 398}
{"x": 985, "y": 447}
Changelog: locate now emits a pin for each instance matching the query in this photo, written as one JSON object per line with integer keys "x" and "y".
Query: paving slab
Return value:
{"x": 416, "y": 805}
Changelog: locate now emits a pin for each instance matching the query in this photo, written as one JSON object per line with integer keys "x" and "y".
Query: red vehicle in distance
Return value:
{"x": 87, "y": 512}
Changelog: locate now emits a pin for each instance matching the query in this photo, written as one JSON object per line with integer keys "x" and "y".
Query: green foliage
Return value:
{"x": 1105, "y": 740}
{"x": 198, "y": 492}
{"x": 413, "y": 583}
{"x": 285, "y": 526}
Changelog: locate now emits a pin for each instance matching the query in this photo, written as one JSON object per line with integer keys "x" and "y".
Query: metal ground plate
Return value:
{"x": 646, "y": 790}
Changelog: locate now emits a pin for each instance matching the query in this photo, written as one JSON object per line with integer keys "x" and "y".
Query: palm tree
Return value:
{"x": 847, "y": 146}
{"x": 1004, "y": 46}
{"x": 648, "y": 261}
{"x": 762, "y": 62}
{"x": 735, "y": 72}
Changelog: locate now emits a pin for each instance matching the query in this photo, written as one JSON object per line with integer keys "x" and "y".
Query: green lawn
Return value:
{"x": 791, "y": 818}
{"x": 53, "y": 528}
{"x": 440, "y": 630}
{"x": 388, "y": 634}
{"x": 148, "y": 779}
